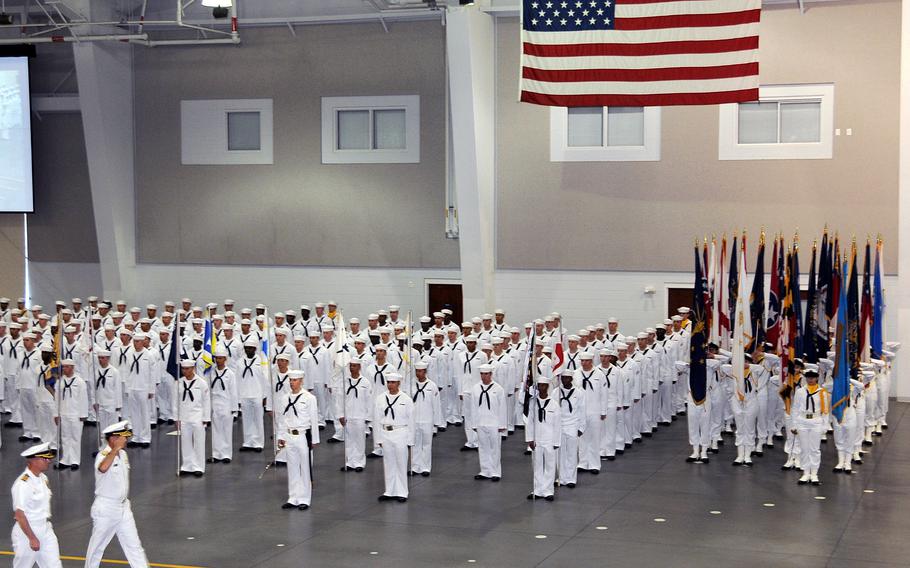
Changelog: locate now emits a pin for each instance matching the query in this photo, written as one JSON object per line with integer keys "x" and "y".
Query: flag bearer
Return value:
{"x": 543, "y": 436}
{"x": 809, "y": 412}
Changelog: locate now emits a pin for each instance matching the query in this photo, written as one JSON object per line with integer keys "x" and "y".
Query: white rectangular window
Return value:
{"x": 788, "y": 122}
{"x": 371, "y": 130}
{"x": 226, "y": 131}
{"x": 604, "y": 134}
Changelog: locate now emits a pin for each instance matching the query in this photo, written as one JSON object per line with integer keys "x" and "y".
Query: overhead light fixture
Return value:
{"x": 220, "y": 8}
{"x": 465, "y": 2}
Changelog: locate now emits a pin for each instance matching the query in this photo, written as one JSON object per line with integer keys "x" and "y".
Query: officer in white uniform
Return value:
{"x": 297, "y": 418}
{"x": 33, "y": 535}
{"x": 111, "y": 511}
{"x": 394, "y": 430}
{"x": 488, "y": 417}
{"x": 543, "y": 434}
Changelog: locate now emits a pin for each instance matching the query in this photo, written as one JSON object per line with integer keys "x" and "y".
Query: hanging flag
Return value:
{"x": 530, "y": 373}
{"x": 796, "y": 324}
{"x": 822, "y": 342}
{"x": 711, "y": 308}
{"x": 601, "y": 53}
{"x": 810, "y": 329}
{"x": 721, "y": 291}
{"x": 865, "y": 318}
{"x": 772, "y": 331}
{"x": 209, "y": 341}
{"x": 732, "y": 284}
{"x": 853, "y": 316}
{"x": 173, "y": 358}
{"x": 787, "y": 347}
{"x": 757, "y": 298}
{"x": 698, "y": 338}
{"x": 878, "y": 306}
{"x": 840, "y": 391}
{"x": 836, "y": 280}
{"x": 742, "y": 334}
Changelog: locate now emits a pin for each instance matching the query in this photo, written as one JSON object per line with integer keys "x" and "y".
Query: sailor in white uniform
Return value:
{"x": 33, "y": 535}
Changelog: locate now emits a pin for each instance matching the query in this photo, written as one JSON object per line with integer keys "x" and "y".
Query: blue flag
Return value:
{"x": 878, "y": 306}
{"x": 698, "y": 340}
{"x": 840, "y": 394}
{"x": 208, "y": 347}
{"x": 173, "y": 360}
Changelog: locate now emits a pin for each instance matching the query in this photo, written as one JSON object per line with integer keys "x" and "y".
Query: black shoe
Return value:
{"x": 837, "y": 470}
{"x": 582, "y": 469}
{"x": 620, "y": 452}
{"x": 36, "y": 439}
{"x": 815, "y": 482}
{"x": 778, "y": 437}
{"x": 531, "y": 496}
{"x": 211, "y": 460}
{"x": 570, "y": 485}
{"x": 358, "y": 469}
{"x": 479, "y": 477}
{"x": 859, "y": 462}
{"x": 465, "y": 449}
{"x": 720, "y": 442}
{"x": 866, "y": 443}
{"x": 171, "y": 422}
{"x": 549, "y": 498}
{"x": 457, "y": 424}
{"x": 441, "y": 430}
{"x": 242, "y": 448}
{"x": 185, "y": 473}
{"x": 146, "y": 445}
{"x": 594, "y": 471}
{"x": 876, "y": 433}
{"x": 636, "y": 441}
{"x": 690, "y": 459}
{"x": 345, "y": 468}
{"x": 322, "y": 427}
{"x": 748, "y": 464}
{"x": 801, "y": 482}
{"x": 884, "y": 426}
{"x": 302, "y": 507}
{"x": 758, "y": 453}
{"x": 401, "y": 499}
{"x": 60, "y": 466}
{"x": 280, "y": 464}
{"x": 24, "y": 439}
{"x": 628, "y": 446}
{"x": 132, "y": 444}
{"x": 424, "y": 474}
{"x": 226, "y": 460}
{"x": 527, "y": 452}
{"x": 737, "y": 464}
{"x": 334, "y": 441}
{"x": 11, "y": 425}
{"x": 384, "y": 497}
{"x": 411, "y": 474}
{"x": 154, "y": 426}
{"x": 824, "y": 440}
{"x": 494, "y": 479}
{"x": 197, "y": 474}
{"x": 257, "y": 450}
{"x": 288, "y": 506}
{"x": 160, "y": 421}
{"x": 705, "y": 460}
{"x": 74, "y": 467}
{"x": 611, "y": 458}
{"x": 373, "y": 455}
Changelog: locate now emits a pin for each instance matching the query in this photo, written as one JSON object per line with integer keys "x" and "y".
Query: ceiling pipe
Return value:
{"x": 73, "y": 39}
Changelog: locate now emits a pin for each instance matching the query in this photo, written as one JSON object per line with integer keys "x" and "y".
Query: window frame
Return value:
{"x": 204, "y": 132}
{"x": 410, "y": 154}
{"x": 729, "y": 148}
{"x": 560, "y": 151}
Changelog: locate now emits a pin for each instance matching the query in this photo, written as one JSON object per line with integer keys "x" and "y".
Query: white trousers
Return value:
{"x": 422, "y": 452}
{"x": 637, "y": 425}
{"x": 489, "y": 451}
{"x": 29, "y": 412}
{"x": 568, "y": 458}
{"x": 699, "y": 419}
{"x": 665, "y": 407}
{"x": 70, "y": 440}
{"x": 253, "y": 436}
{"x": 320, "y": 391}
{"x": 510, "y": 415}
{"x": 163, "y": 394}
{"x": 469, "y": 433}
{"x": 810, "y": 438}
{"x": 125, "y": 408}
{"x": 716, "y": 409}
{"x": 791, "y": 445}
{"x": 222, "y": 432}
{"x": 608, "y": 434}
{"x": 11, "y": 402}
{"x": 300, "y": 485}
{"x": 762, "y": 428}
{"x": 47, "y": 556}
{"x": 192, "y": 446}
{"x": 745, "y": 415}
{"x": 107, "y": 417}
{"x": 110, "y": 518}
{"x": 859, "y": 430}
{"x": 844, "y": 431}
{"x": 544, "y": 469}
{"x": 140, "y": 416}
{"x": 590, "y": 444}
{"x": 47, "y": 430}
{"x": 355, "y": 442}
{"x": 395, "y": 461}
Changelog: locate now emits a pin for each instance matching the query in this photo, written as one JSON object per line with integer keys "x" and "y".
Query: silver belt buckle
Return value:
{"x": 810, "y": 416}
{"x": 389, "y": 428}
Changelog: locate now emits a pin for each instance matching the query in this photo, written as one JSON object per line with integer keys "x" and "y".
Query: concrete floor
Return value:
{"x": 713, "y": 514}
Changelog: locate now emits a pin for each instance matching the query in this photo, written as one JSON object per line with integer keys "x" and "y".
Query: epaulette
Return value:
{"x": 24, "y": 477}
{"x": 105, "y": 452}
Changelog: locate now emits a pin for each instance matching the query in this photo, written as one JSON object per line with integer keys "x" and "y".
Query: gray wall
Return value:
{"x": 12, "y": 277}
{"x": 63, "y": 226}
{"x": 644, "y": 216}
{"x": 297, "y": 211}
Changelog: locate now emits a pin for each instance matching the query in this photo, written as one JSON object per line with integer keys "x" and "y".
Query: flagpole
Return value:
{"x": 344, "y": 399}
{"x": 268, "y": 366}
{"x": 57, "y": 393}
{"x": 177, "y": 358}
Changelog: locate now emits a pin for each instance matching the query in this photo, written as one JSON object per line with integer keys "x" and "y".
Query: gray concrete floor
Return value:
{"x": 229, "y": 518}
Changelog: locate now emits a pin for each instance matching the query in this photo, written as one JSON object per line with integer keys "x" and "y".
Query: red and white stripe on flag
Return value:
{"x": 639, "y": 52}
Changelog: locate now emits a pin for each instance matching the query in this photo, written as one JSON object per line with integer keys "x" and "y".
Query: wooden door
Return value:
{"x": 446, "y": 296}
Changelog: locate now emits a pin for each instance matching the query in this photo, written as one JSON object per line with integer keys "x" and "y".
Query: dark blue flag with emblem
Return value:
{"x": 853, "y": 353}
{"x": 840, "y": 391}
{"x": 797, "y": 321}
{"x": 821, "y": 301}
{"x": 173, "y": 359}
{"x": 811, "y": 327}
{"x": 698, "y": 340}
{"x": 732, "y": 284}
{"x": 757, "y": 299}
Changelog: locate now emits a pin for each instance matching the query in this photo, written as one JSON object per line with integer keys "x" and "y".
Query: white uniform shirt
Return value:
{"x": 32, "y": 496}
{"x": 488, "y": 406}
{"x": 114, "y": 484}
{"x": 193, "y": 404}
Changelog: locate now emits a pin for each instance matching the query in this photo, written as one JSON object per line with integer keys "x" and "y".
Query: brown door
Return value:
{"x": 677, "y": 298}
{"x": 446, "y": 296}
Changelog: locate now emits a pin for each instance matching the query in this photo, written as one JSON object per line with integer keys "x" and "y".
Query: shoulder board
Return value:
{"x": 24, "y": 477}
{"x": 105, "y": 452}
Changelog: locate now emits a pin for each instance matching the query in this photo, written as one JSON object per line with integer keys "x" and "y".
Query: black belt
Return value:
{"x": 297, "y": 432}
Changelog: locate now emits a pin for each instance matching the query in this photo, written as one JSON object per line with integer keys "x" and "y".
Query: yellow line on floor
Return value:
{"x": 119, "y": 562}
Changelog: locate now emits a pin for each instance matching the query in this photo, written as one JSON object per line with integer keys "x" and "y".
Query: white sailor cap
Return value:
{"x": 66, "y": 312}
{"x": 650, "y": 330}
{"x": 43, "y": 450}
{"x": 439, "y": 332}
{"x": 373, "y": 333}
{"x": 631, "y": 340}
{"x": 246, "y": 311}
{"x": 549, "y": 319}
{"x": 4, "y": 300}
{"x": 475, "y": 320}
{"x": 219, "y": 317}
{"x": 641, "y": 335}
{"x": 314, "y": 333}
{"x": 245, "y": 321}
{"x": 599, "y": 326}
{"x": 260, "y": 318}
{"x": 401, "y": 337}
{"x": 496, "y": 341}
{"x": 574, "y": 337}
{"x": 125, "y": 331}
{"x": 467, "y": 324}
{"x": 59, "y": 303}
{"x": 486, "y": 346}
{"x": 499, "y": 312}
{"x": 383, "y": 312}
{"x": 69, "y": 329}
{"x": 425, "y": 319}
{"x": 668, "y": 321}
{"x": 304, "y": 307}
{"x": 381, "y": 347}
{"x": 96, "y": 317}
{"x": 328, "y": 327}
{"x": 373, "y": 317}
{"x": 221, "y": 352}
{"x": 446, "y": 311}
{"x": 543, "y": 380}
{"x": 676, "y": 318}
{"x": 281, "y": 331}
{"x": 186, "y": 363}
{"x": 121, "y": 428}
{"x": 290, "y": 313}
{"x": 47, "y": 348}
{"x": 421, "y": 365}
{"x": 567, "y": 373}
{"x": 299, "y": 337}
{"x": 538, "y": 321}
{"x": 486, "y": 368}
{"x": 296, "y": 374}
{"x": 135, "y": 310}
{"x": 471, "y": 338}
{"x": 44, "y": 317}
{"x": 583, "y": 333}
{"x": 182, "y": 300}
{"x": 102, "y": 353}
{"x": 514, "y": 330}
{"x": 250, "y": 343}
{"x": 394, "y": 308}
{"x": 3, "y": 323}
{"x": 67, "y": 362}
{"x": 359, "y": 339}
{"x": 587, "y": 356}
{"x": 279, "y": 314}
{"x": 620, "y": 346}
{"x": 547, "y": 348}
{"x": 140, "y": 336}
{"x": 353, "y": 321}
{"x": 683, "y": 310}
{"x": 612, "y": 320}
{"x": 393, "y": 377}
{"x": 15, "y": 325}
{"x": 486, "y": 317}
{"x": 355, "y": 360}
{"x": 169, "y": 304}
{"x": 282, "y": 357}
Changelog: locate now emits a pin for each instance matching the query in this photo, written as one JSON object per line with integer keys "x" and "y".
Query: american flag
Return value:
{"x": 639, "y": 52}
